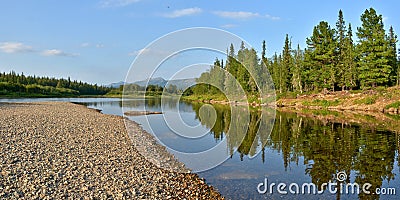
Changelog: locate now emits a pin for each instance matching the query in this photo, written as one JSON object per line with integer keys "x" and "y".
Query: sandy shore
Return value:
{"x": 63, "y": 150}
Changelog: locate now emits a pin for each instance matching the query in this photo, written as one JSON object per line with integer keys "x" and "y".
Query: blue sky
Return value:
{"x": 96, "y": 41}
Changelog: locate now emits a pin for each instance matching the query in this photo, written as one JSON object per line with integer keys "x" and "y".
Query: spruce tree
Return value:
{"x": 276, "y": 72}
{"x": 320, "y": 57}
{"x": 266, "y": 69}
{"x": 373, "y": 51}
{"x": 392, "y": 39}
{"x": 285, "y": 73}
{"x": 350, "y": 69}
{"x": 297, "y": 71}
{"x": 341, "y": 50}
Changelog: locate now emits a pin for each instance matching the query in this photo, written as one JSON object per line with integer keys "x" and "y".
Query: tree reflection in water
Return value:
{"x": 327, "y": 148}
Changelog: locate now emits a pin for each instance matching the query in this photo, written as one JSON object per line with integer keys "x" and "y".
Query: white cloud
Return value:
{"x": 272, "y": 17}
{"x": 57, "y": 52}
{"x": 117, "y": 3}
{"x": 85, "y": 44}
{"x": 183, "y": 12}
{"x": 236, "y": 15}
{"x": 243, "y": 15}
{"x": 15, "y": 47}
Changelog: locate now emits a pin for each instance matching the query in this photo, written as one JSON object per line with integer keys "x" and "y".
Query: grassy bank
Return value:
{"x": 385, "y": 100}
{"x": 373, "y": 120}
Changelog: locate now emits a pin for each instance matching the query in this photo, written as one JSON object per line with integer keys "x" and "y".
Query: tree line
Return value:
{"x": 19, "y": 83}
{"x": 148, "y": 90}
{"x": 331, "y": 61}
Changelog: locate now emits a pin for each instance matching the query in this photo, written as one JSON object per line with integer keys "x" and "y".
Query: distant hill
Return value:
{"x": 183, "y": 83}
{"x": 154, "y": 81}
{"x": 180, "y": 83}
{"x": 116, "y": 85}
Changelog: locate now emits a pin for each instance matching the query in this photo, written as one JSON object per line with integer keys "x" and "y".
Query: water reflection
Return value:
{"x": 246, "y": 142}
{"x": 364, "y": 154}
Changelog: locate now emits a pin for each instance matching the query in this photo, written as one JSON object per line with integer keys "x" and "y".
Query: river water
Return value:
{"x": 298, "y": 151}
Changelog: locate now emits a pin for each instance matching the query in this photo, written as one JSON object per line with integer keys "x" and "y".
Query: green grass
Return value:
{"x": 323, "y": 103}
{"x": 215, "y": 97}
{"x": 366, "y": 100}
{"x": 393, "y": 105}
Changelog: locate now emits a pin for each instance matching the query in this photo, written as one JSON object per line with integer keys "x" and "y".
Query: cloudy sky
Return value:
{"x": 96, "y": 41}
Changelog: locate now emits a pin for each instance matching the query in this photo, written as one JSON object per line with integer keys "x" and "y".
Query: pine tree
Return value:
{"x": 264, "y": 59}
{"x": 266, "y": 72}
{"x": 285, "y": 73}
{"x": 297, "y": 70}
{"x": 398, "y": 70}
{"x": 251, "y": 62}
{"x": 349, "y": 64}
{"x": 264, "y": 51}
{"x": 320, "y": 57}
{"x": 392, "y": 39}
{"x": 276, "y": 71}
{"x": 341, "y": 50}
{"x": 373, "y": 51}
{"x": 231, "y": 72}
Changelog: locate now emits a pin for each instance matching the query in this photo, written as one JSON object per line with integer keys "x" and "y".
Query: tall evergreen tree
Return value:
{"x": 231, "y": 68}
{"x": 266, "y": 69}
{"x": 276, "y": 70}
{"x": 392, "y": 39}
{"x": 264, "y": 51}
{"x": 373, "y": 51}
{"x": 320, "y": 57}
{"x": 398, "y": 70}
{"x": 285, "y": 72}
{"x": 350, "y": 69}
{"x": 341, "y": 50}
{"x": 297, "y": 71}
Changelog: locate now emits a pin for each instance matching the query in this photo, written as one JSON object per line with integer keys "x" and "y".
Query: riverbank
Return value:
{"x": 371, "y": 120}
{"x": 383, "y": 100}
{"x": 62, "y": 150}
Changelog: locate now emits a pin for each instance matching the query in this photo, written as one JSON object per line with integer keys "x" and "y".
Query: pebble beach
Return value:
{"x": 59, "y": 150}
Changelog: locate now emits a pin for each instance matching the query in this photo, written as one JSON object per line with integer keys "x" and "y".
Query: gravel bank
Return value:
{"x": 63, "y": 150}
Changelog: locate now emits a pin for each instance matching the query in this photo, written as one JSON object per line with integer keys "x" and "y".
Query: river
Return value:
{"x": 299, "y": 150}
